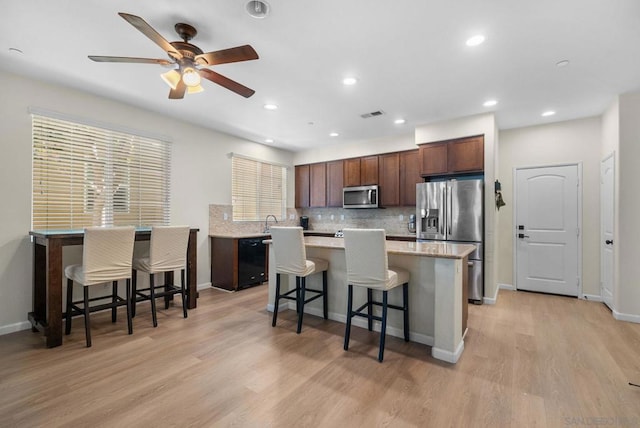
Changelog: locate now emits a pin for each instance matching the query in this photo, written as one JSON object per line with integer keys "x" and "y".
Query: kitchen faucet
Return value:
{"x": 266, "y": 226}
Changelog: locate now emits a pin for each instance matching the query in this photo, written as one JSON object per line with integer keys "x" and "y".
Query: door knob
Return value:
{"x": 609, "y": 241}
{"x": 522, "y": 235}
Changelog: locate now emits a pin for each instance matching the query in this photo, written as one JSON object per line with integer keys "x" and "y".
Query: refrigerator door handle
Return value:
{"x": 442, "y": 213}
{"x": 449, "y": 209}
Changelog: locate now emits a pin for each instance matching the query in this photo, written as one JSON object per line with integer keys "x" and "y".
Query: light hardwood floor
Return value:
{"x": 530, "y": 360}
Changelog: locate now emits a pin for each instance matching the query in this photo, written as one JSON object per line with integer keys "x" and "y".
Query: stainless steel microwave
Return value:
{"x": 360, "y": 197}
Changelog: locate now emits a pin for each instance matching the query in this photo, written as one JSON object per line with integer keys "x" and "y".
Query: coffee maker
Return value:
{"x": 304, "y": 222}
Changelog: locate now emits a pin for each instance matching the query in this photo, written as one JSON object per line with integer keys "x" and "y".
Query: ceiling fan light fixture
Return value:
{"x": 190, "y": 77}
{"x": 194, "y": 89}
{"x": 171, "y": 78}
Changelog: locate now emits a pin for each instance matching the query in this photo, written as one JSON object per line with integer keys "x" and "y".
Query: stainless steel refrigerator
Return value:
{"x": 453, "y": 211}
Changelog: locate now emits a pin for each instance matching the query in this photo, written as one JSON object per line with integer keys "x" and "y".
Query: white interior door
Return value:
{"x": 547, "y": 229}
{"x": 607, "y": 219}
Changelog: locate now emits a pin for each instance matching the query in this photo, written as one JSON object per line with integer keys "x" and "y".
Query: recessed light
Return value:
{"x": 562, "y": 63}
{"x": 257, "y": 9}
{"x": 490, "y": 103}
{"x": 268, "y": 140}
{"x": 399, "y": 121}
{"x": 271, "y": 107}
{"x": 348, "y": 81}
{"x": 333, "y": 134}
{"x": 475, "y": 40}
{"x": 548, "y": 113}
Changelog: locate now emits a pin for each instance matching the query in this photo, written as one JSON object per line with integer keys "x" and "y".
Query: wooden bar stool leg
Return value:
{"x": 405, "y": 304}
{"x": 128, "y": 299}
{"x": 347, "y": 331}
{"x": 298, "y": 294}
{"x": 383, "y": 328}
{"x": 67, "y": 322}
{"x": 152, "y": 294}
{"x": 134, "y": 292}
{"x": 183, "y": 292}
{"x": 114, "y": 301}
{"x": 87, "y": 323}
{"x": 303, "y": 282}
{"x": 370, "y": 309}
{"x": 325, "y": 304}
{"x": 276, "y": 301}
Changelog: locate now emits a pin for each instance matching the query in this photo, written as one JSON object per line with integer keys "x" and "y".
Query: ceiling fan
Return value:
{"x": 190, "y": 60}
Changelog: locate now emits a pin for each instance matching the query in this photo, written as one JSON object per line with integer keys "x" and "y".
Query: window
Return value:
{"x": 258, "y": 189}
{"x": 89, "y": 176}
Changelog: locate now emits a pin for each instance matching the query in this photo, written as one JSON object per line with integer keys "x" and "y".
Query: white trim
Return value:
{"x": 492, "y": 300}
{"x": 626, "y": 317}
{"x": 96, "y": 123}
{"x": 611, "y": 155}
{"x": 12, "y": 328}
{"x": 450, "y": 357}
{"x": 592, "y": 297}
{"x": 203, "y": 286}
{"x": 507, "y": 287}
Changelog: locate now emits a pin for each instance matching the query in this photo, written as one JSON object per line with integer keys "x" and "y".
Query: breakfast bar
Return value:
{"x": 437, "y": 290}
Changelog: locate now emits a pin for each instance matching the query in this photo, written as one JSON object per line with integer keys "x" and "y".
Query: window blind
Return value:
{"x": 258, "y": 189}
{"x": 89, "y": 176}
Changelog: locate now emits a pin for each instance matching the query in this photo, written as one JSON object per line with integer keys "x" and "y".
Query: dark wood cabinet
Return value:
{"x": 433, "y": 159}
{"x": 461, "y": 155}
{"x": 238, "y": 262}
{"x": 466, "y": 154}
{"x": 368, "y": 170}
{"x": 389, "y": 179}
{"x": 409, "y": 177}
{"x": 351, "y": 175}
{"x": 335, "y": 173}
{"x": 318, "y": 185}
{"x": 302, "y": 186}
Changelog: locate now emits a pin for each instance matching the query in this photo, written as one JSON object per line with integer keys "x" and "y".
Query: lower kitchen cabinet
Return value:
{"x": 238, "y": 263}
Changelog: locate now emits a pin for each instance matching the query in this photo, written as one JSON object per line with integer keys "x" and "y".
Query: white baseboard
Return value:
{"x": 12, "y": 328}
{"x": 203, "y": 286}
{"x": 507, "y": 287}
{"x": 592, "y": 297}
{"x": 358, "y": 322}
{"x": 626, "y": 317}
{"x": 450, "y": 357}
{"x": 494, "y": 299}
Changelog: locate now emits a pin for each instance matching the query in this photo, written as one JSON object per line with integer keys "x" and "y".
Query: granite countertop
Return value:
{"x": 443, "y": 250}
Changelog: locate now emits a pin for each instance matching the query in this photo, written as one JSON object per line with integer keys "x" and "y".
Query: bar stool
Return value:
{"x": 167, "y": 253}
{"x": 291, "y": 258}
{"x": 367, "y": 266}
{"x": 106, "y": 257}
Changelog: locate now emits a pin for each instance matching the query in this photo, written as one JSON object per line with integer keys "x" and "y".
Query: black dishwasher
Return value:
{"x": 252, "y": 255}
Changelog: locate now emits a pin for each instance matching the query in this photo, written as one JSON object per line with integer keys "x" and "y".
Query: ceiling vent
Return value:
{"x": 372, "y": 114}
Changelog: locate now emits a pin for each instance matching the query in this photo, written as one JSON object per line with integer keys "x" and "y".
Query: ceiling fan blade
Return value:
{"x": 129, "y": 59}
{"x": 178, "y": 92}
{"x": 226, "y": 82}
{"x": 152, "y": 34}
{"x": 225, "y": 56}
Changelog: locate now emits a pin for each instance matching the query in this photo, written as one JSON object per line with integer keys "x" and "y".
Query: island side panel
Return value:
{"x": 448, "y": 344}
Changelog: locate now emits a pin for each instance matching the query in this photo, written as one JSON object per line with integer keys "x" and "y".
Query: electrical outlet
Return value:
{"x": 332, "y": 216}
{"x": 292, "y": 216}
{"x": 319, "y": 217}
{"x": 225, "y": 216}
{"x": 400, "y": 217}
{"x": 342, "y": 217}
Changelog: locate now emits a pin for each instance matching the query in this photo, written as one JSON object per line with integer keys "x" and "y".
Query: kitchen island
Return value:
{"x": 437, "y": 303}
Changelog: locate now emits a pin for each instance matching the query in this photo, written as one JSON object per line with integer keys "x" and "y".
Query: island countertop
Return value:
{"x": 443, "y": 250}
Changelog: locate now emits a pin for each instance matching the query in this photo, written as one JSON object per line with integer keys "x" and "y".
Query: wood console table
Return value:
{"x": 47, "y": 277}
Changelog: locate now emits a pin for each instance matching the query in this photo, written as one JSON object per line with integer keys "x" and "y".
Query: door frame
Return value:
{"x": 611, "y": 156}
{"x": 515, "y": 214}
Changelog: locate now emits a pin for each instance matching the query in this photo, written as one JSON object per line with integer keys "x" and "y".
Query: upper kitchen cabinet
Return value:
{"x": 361, "y": 171}
{"x": 335, "y": 183}
{"x": 302, "y": 186}
{"x": 389, "y": 179}
{"x": 318, "y": 185}
{"x": 368, "y": 170}
{"x": 409, "y": 177}
{"x": 461, "y": 155}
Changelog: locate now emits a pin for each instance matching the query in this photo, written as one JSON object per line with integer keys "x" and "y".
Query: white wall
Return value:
{"x": 557, "y": 143}
{"x": 627, "y": 300}
{"x": 483, "y": 124}
{"x": 201, "y": 174}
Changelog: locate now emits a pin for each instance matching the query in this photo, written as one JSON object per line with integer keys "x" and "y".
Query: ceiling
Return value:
{"x": 410, "y": 59}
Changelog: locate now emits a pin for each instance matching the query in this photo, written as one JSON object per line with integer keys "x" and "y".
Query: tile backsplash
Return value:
{"x": 393, "y": 220}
